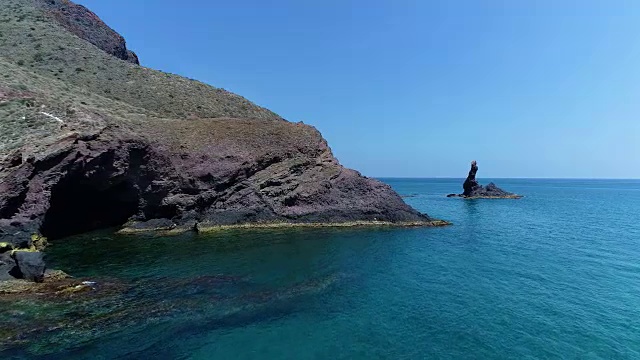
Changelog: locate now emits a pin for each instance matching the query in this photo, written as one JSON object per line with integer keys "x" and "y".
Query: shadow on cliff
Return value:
{"x": 78, "y": 207}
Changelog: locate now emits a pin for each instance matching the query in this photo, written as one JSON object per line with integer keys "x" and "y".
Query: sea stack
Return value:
{"x": 473, "y": 190}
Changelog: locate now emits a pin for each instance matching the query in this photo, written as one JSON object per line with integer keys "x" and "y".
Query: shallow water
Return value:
{"x": 555, "y": 274}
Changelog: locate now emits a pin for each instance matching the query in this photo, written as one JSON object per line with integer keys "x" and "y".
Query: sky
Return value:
{"x": 419, "y": 88}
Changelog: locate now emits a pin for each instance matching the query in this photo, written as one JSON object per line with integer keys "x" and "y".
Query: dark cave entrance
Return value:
{"x": 78, "y": 206}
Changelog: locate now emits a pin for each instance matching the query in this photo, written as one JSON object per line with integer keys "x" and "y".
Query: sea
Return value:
{"x": 554, "y": 275}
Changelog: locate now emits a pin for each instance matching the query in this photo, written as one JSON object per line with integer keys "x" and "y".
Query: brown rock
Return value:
{"x": 127, "y": 144}
{"x": 83, "y": 23}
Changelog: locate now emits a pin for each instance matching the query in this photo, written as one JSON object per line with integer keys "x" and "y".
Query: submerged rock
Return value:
{"x": 473, "y": 190}
{"x": 50, "y": 274}
{"x": 71, "y": 313}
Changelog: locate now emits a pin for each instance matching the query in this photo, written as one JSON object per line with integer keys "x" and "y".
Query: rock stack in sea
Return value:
{"x": 473, "y": 190}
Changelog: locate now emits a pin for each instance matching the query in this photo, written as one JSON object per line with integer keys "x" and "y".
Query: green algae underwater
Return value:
{"x": 552, "y": 275}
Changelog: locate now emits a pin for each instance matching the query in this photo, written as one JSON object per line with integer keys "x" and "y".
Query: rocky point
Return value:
{"x": 89, "y": 139}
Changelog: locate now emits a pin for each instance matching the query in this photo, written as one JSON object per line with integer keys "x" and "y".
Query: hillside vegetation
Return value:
{"x": 31, "y": 37}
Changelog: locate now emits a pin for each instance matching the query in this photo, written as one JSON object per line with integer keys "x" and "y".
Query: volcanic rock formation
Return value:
{"x": 88, "y": 141}
{"x": 86, "y": 25}
{"x": 473, "y": 190}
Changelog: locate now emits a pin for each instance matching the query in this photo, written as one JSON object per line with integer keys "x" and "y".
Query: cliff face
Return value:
{"x": 209, "y": 171}
{"x": 88, "y": 141}
{"x": 86, "y": 25}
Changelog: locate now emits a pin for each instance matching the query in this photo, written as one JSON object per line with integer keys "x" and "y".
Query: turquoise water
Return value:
{"x": 553, "y": 275}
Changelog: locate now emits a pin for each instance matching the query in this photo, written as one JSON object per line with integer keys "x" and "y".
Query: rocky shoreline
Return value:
{"x": 206, "y": 228}
{"x": 23, "y": 270}
{"x": 24, "y": 260}
{"x": 54, "y": 283}
{"x": 105, "y": 149}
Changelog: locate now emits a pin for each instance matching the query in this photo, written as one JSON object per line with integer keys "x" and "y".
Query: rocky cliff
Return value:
{"x": 89, "y": 141}
{"x": 86, "y": 25}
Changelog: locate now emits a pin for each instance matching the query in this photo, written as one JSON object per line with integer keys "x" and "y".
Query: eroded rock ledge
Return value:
{"x": 203, "y": 175}
{"x": 473, "y": 190}
{"x": 211, "y": 172}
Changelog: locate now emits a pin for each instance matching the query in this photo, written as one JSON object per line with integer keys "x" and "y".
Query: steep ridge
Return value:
{"x": 86, "y": 25}
{"x": 34, "y": 39}
{"x": 89, "y": 141}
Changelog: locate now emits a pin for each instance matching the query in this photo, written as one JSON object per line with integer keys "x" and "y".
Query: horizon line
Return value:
{"x": 505, "y": 178}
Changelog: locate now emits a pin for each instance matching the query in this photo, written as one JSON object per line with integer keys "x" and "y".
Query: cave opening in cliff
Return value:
{"x": 79, "y": 206}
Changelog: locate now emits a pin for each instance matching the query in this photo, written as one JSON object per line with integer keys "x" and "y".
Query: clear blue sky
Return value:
{"x": 419, "y": 88}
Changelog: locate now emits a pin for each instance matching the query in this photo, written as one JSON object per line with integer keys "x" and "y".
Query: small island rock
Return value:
{"x": 473, "y": 190}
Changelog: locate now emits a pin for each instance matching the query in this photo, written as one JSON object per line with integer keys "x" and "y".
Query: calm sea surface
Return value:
{"x": 553, "y": 275}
